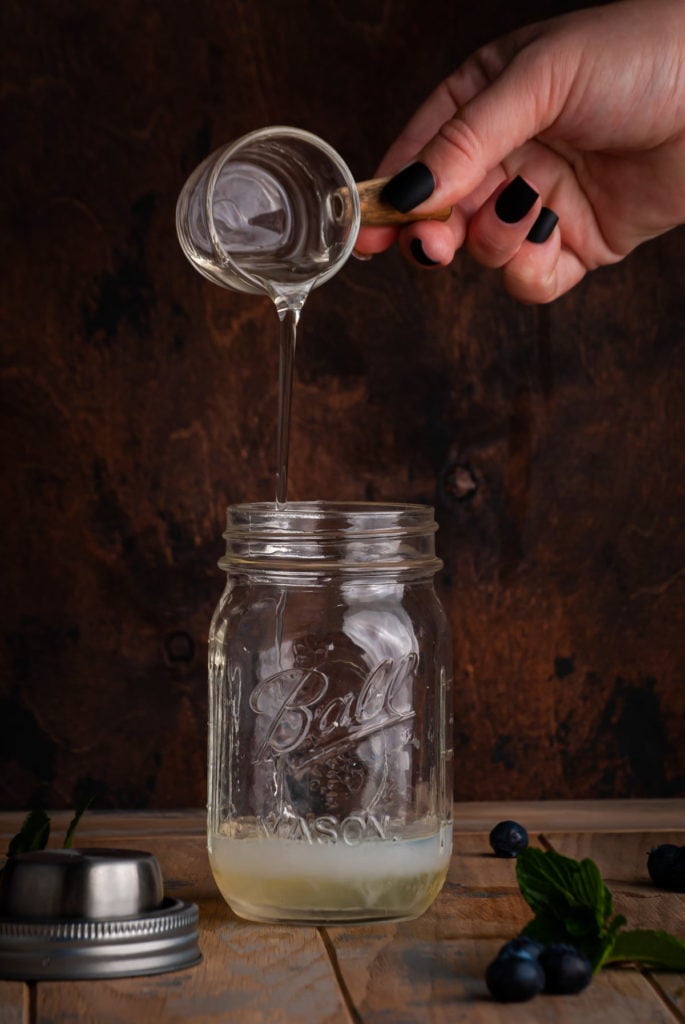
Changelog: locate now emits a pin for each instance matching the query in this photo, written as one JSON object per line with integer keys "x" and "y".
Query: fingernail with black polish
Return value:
{"x": 515, "y": 201}
{"x": 419, "y": 255}
{"x": 410, "y": 187}
{"x": 543, "y": 226}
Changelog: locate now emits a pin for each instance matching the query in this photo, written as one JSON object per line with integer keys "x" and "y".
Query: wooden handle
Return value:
{"x": 376, "y": 213}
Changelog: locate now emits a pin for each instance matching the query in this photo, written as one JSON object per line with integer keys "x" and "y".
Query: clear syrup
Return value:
{"x": 289, "y": 317}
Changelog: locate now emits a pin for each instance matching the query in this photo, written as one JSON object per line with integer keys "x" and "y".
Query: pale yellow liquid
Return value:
{"x": 276, "y": 879}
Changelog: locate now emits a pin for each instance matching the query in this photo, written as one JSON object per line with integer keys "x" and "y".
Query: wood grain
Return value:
{"x": 376, "y": 213}
{"x": 672, "y": 988}
{"x": 103, "y": 825}
{"x": 427, "y": 971}
{"x": 620, "y": 856}
{"x": 14, "y": 1003}
{"x": 393, "y": 976}
{"x": 250, "y": 974}
{"x": 595, "y": 816}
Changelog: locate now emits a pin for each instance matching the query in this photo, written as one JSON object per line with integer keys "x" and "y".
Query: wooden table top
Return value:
{"x": 430, "y": 970}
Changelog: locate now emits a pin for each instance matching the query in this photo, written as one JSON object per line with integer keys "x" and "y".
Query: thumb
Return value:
{"x": 523, "y": 100}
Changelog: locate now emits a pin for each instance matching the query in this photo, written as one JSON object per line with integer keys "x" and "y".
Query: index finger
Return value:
{"x": 440, "y": 106}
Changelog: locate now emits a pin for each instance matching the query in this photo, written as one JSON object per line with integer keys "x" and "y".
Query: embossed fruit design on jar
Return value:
{"x": 330, "y": 715}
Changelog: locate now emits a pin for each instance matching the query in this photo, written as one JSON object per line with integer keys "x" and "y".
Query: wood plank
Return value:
{"x": 101, "y": 824}
{"x": 428, "y": 970}
{"x": 473, "y": 914}
{"x": 672, "y": 988}
{"x": 477, "y": 816}
{"x": 14, "y": 1002}
{"x": 480, "y": 898}
{"x": 620, "y": 856}
{"x": 573, "y": 815}
{"x": 391, "y": 975}
{"x": 474, "y": 864}
{"x": 251, "y": 974}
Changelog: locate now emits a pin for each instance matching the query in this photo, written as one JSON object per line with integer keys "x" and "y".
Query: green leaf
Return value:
{"x": 608, "y": 941}
{"x": 591, "y": 891}
{"x": 581, "y": 921}
{"x": 81, "y": 808}
{"x": 546, "y": 928}
{"x": 33, "y": 834}
{"x": 572, "y": 904}
{"x": 608, "y": 902}
{"x": 570, "y": 889}
{"x": 659, "y": 949}
{"x": 545, "y": 879}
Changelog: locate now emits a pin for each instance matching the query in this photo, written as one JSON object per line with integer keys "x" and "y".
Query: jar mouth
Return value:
{"x": 319, "y": 516}
{"x": 332, "y": 536}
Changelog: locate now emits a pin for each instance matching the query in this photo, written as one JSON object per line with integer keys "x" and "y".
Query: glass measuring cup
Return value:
{"x": 277, "y": 212}
{"x": 266, "y": 214}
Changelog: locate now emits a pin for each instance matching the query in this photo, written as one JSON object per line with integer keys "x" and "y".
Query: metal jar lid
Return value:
{"x": 91, "y": 883}
{"x": 97, "y": 913}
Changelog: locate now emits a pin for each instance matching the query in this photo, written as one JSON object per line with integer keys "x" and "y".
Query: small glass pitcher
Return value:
{"x": 265, "y": 214}
{"x": 278, "y": 212}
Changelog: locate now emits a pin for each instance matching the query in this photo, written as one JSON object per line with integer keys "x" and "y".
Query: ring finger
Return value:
{"x": 498, "y": 229}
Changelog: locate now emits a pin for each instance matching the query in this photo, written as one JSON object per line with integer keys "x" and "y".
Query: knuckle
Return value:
{"x": 490, "y": 250}
{"x": 489, "y": 60}
{"x": 530, "y": 286}
{"x": 461, "y": 138}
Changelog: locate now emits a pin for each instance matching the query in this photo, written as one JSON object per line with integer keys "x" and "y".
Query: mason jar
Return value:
{"x": 330, "y": 724}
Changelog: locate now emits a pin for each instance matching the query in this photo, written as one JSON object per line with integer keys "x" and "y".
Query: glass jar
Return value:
{"x": 330, "y": 773}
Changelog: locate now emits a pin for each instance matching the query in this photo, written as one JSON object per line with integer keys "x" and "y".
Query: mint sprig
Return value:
{"x": 35, "y": 830}
{"x": 572, "y": 904}
{"x": 657, "y": 949}
{"x": 81, "y": 808}
{"x": 33, "y": 834}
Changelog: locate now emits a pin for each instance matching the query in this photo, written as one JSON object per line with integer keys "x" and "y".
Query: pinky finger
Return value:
{"x": 542, "y": 271}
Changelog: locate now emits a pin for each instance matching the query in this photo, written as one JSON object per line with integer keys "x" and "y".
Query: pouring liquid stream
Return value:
{"x": 289, "y": 317}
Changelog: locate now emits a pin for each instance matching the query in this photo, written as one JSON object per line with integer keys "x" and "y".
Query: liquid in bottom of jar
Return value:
{"x": 277, "y": 879}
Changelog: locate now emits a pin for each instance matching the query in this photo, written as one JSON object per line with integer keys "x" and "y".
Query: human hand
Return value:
{"x": 586, "y": 113}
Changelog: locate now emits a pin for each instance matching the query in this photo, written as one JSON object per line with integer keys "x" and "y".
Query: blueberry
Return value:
{"x": 523, "y": 946}
{"x": 514, "y": 978}
{"x": 508, "y": 839}
{"x": 666, "y": 866}
{"x": 567, "y": 970}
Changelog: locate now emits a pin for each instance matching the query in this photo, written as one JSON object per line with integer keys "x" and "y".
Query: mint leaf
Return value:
{"x": 81, "y": 808}
{"x": 545, "y": 881}
{"x": 572, "y": 890}
{"x": 572, "y": 904}
{"x": 592, "y": 892}
{"x": 546, "y": 928}
{"x": 608, "y": 942}
{"x": 33, "y": 834}
{"x": 658, "y": 949}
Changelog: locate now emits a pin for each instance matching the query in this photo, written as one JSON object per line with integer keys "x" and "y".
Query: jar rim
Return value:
{"x": 324, "y": 535}
{"x": 348, "y": 516}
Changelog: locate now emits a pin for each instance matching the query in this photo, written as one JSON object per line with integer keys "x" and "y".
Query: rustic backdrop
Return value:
{"x": 139, "y": 400}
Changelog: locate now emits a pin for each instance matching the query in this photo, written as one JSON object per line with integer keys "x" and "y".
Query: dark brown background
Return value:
{"x": 139, "y": 400}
